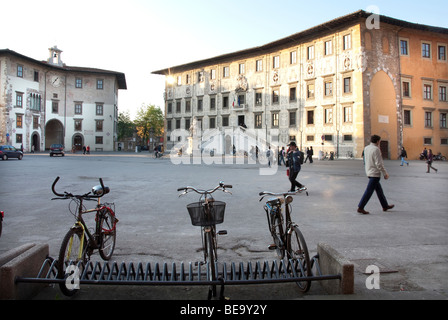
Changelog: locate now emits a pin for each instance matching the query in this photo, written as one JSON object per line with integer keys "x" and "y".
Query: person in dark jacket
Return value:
{"x": 403, "y": 155}
{"x": 294, "y": 166}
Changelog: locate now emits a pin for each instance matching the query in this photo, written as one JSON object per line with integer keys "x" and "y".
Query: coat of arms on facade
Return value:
{"x": 310, "y": 69}
{"x": 242, "y": 84}
{"x": 275, "y": 76}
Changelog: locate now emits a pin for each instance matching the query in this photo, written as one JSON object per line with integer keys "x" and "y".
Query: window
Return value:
{"x": 407, "y": 120}
{"x": 98, "y": 140}
{"x": 212, "y": 103}
{"x": 200, "y": 104}
{"x": 36, "y": 76}
{"x": 169, "y": 107}
{"x": 404, "y": 48}
{"x": 428, "y": 119}
{"x": 259, "y": 65}
{"x": 179, "y": 80}
{"x": 275, "y": 117}
{"x": 406, "y": 87}
{"x": 100, "y": 84}
{"x": 187, "y": 124}
{"x": 54, "y": 106}
{"x": 19, "y": 138}
{"x": 348, "y": 114}
{"x": 78, "y": 83}
{"x": 19, "y": 120}
{"x": 310, "y": 53}
{"x": 168, "y": 125}
{"x": 347, "y": 85}
{"x": 328, "y": 88}
{"x": 328, "y": 47}
{"x": 78, "y": 125}
{"x": 20, "y": 71}
{"x": 258, "y": 120}
{"x": 310, "y": 90}
{"x": 310, "y": 117}
{"x": 427, "y": 92}
{"x": 441, "y": 53}
{"x": 213, "y": 74}
{"x": 241, "y": 99}
{"x": 292, "y": 94}
{"x": 19, "y": 99}
{"x": 292, "y": 118}
{"x": 443, "y": 120}
{"x": 275, "y": 96}
{"x": 348, "y": 137}
{"x": 225, "y": 101}
{"x": 188, "y": 106}
{"x": 177, "y": 123}
{"x": 426, "y": 50}
{"x": 328, "y": 116}
{"x": 212, "y": 123}
{"x": 178, "y": 106}
{"x": 188, "y": 79}
{"x": 78, "y": 108}
{"x": 99, "y": 125}
{"x": 258, "y": 98}
{"x": 427, "y": 141}
{"x": 347, "y": 42}
{"x": 225, "y": 121}
{"x": 442, "y": 93}
{"x": 226, "y": 72}
{"x": 201, "y": 76}
{"x": 35, "y": 122}
{"x": 99, "y": 110}
{"x": 276, "y": 62}
{"x": 241, "y": 68}
{"x": 293, "y": 57}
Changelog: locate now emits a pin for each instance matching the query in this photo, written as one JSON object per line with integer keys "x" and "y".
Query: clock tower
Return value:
{"x": 55, "y": 57}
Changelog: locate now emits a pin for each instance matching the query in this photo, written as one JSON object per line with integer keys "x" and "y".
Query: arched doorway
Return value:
{"x": 35, "y": 142}
{"x": 54, "y": 133}
{"x": 78, "y": 141}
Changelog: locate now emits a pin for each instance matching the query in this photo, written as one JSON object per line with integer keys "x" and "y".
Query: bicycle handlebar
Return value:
{"x": 281, "y": 194}
{"x": 221, "y": 185}
{"x": 68, "y": 194}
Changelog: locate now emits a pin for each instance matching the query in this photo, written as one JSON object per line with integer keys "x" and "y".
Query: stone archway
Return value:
{"x": 35, "y": 142}
{"x": 78, "y": 141}
{"x": 54, "y": 133}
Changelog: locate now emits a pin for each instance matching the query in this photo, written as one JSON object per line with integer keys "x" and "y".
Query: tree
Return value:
{"x": 125, "y": 126}
{"x": 149, "y": 123}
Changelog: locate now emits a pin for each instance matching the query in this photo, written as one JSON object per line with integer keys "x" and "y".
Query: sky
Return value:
{"x": 137, "y": 37}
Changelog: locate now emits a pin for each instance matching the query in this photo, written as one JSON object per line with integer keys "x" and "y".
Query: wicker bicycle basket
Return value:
{"x": 198, "y": 214}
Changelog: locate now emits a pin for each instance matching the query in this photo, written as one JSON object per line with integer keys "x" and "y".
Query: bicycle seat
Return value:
{"x": 98, "y": 190}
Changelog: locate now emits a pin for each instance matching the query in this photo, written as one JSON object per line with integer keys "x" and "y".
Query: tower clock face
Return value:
{"x": 55, "y": 81}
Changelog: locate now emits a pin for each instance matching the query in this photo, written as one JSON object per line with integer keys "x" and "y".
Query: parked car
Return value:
{"x": 7, "y": 152}
{"x": 57, "y": 149}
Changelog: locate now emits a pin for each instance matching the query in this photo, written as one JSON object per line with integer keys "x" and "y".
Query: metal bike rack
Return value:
{"x": 194, "y": 274}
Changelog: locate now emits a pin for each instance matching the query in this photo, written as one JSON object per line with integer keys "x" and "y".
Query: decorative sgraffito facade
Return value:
{"x": 46, "y": 102}
{"x": 330, "y": 87}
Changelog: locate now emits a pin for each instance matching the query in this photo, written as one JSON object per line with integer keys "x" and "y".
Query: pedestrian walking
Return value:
{"x": 309, "y": 154}
{"x": 294, "y": 162}
{"x": 403, "y": 155}
{"x": 429, "y": 161}
{"x": 269, "y": 156}
{"x": 281, "y": 156}
{"x": 374, "y": 167}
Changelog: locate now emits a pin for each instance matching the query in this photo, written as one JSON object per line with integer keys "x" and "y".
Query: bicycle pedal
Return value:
{"x": 222, "y": 232}
{"x": 272, "y": 247}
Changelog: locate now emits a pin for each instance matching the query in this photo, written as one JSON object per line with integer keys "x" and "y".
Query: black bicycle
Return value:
{"x": 79, "y": 243}
{"x": 288, "y": 239}
{"x": 207, "y": 213}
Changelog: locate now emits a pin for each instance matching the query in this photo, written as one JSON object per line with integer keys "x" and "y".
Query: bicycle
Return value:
{"x": 288, "y": 239}
{"x": 79, "y": 243}
{"x": 2, "y": 215}
{"x": 207, "y": 213}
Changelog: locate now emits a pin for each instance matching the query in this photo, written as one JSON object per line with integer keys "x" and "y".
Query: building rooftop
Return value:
{"x": 298, "y": 38}
{"x": 121, "y": 78}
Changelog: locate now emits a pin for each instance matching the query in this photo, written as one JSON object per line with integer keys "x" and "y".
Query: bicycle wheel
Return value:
{"x": 72, "y": 251}
{"x": 108, "y": 233}
{"x": 298, "y": 252}
{"x": 210, "y": 258}
{"x": 277, "y": 233}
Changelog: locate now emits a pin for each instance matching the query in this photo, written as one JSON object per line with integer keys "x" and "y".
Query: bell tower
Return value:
{"x": 55, "y": 56}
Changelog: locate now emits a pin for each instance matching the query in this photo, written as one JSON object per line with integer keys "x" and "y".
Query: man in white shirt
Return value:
{"x": 374, "y": 168}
